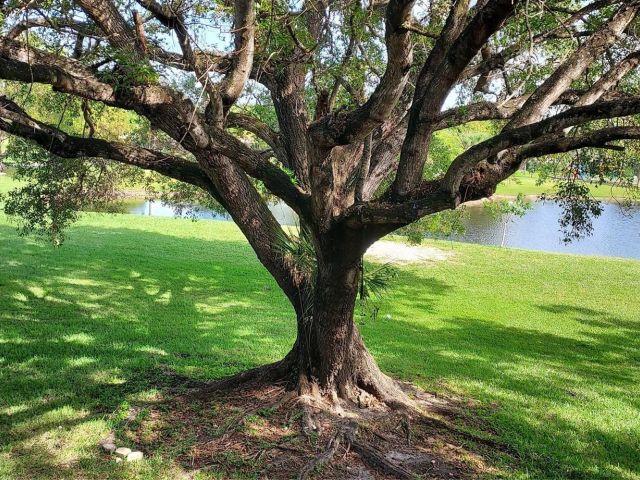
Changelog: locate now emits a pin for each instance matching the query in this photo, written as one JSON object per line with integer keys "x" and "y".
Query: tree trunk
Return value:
{"x": 333, "y": 361}
{"x": 329, "y": 360}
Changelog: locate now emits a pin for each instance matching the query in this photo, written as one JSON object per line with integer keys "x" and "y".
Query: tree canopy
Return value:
{"x": 312, "y": 82}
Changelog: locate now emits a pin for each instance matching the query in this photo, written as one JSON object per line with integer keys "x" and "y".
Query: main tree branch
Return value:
{"x": 14, "y": 120}
{"x": 343, "y": 128}
{"x": 545, "y": 95}
{"x": 523, "y": 135}
{"x": 166, "y": 110}
{"x": 430, "y": 97}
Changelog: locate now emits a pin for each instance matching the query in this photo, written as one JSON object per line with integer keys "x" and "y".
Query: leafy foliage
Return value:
{"x": 507, "y": 210}
{"x": 129, "y": 71}
{"x": 54, "y": 190}
{"x": 441, "y": 224}
{"x": 578, "y": 210}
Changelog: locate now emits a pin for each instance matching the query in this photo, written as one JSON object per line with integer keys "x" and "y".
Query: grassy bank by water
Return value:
{"x": 527, "y": 184}
{"x": 546, "y": 347}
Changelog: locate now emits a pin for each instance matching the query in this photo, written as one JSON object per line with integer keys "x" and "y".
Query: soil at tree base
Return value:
{"x": 255, "y": 430}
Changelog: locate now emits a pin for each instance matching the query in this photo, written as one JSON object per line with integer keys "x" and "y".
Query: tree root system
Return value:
{"x": 261, "y": 429}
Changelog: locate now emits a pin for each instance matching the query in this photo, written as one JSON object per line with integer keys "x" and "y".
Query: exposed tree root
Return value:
{"x": 376, "y": 458}
{"x": 323, "y": 458}
{"x": 309, "y": 422}
{"x": 258, "y": 429}
{"x": 370, "y": 454}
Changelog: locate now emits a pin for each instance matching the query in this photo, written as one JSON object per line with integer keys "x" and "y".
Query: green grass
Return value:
{"x": 547, "y": 346}
{"x": 527, "y": 184}
{"x": 7, "y": 183}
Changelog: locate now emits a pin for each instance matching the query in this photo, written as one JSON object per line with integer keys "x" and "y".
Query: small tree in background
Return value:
{"x": 506, "y": 211}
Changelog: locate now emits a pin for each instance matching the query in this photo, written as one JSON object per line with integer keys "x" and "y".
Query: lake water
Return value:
{"x": 616, "y": 232}
{"x": 155, "y": 208}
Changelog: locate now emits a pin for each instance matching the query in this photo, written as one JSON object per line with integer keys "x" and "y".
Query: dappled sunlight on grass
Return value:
{"x": 84, "y": 326}
{"x": 550, "y": 342}
{"x": 546, "y": 348}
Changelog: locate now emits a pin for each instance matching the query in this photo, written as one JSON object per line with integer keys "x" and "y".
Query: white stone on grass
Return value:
{"x": 133, "y": 456}
{"x": 123, "y": 451}
{"x": 109, "y": 447}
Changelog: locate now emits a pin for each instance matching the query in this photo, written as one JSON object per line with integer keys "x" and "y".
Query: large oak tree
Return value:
{"x": 351, "y": 94}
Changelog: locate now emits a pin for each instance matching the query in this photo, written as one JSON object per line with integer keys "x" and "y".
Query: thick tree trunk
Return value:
{"x": 329, "y": 360}
{"x": 333, "y": 361}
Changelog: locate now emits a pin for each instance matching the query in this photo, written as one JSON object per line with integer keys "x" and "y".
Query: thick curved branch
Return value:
{"x": 523, "y": 135}
{"x": 430, "y": 97}
{"x": 258, "y": 167}
{"x": 499, "y": 59}
{"x": 451, "y": 31}
{"x": 482, "y": 180}
{"x": 24, "y": 64}
{"x": 287, "y": 88}
{"x": 15, "y": 121}
{"x": 112, "y": 23}
{"x": 237, "y": 66}
{"x": 205, "y": 60}
{"x": 242, "y": 61}
{"x": 431, "y": 198}
{"x": 387, "y": 215}
{"x": 343, "y": 128}
{"x": 84, "y": 29}
{"x": 166, "y": 110}
{"x": 596, "y": 139}
{"x": 545, "y": 95}
{"x": 385, "y": 155}
{"x": 259, "y": 129}
{"x": 610, "y": 79}
{"x": 482, "y": 111}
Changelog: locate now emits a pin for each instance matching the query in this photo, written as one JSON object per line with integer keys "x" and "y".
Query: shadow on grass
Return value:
{"x": 517, "y": 373}
{"x": 87, "y": 326}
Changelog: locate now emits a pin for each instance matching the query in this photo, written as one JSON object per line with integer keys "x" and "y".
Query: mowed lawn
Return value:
{"x": 544, "y": 348}
{"x": 527, "y": 184}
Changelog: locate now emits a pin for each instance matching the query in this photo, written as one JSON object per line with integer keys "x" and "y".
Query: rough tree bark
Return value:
{"x": 333, "y": 360}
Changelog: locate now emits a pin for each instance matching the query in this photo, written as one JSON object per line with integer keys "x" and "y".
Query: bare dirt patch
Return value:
{"x": 396, "y": 252}
{"x": 259, "y": 432}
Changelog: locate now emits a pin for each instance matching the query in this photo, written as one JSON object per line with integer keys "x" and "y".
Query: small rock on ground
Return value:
{"x": 109, "y": 447}
{"x": 123, "y": 451}
{"x": 133, "y": 456}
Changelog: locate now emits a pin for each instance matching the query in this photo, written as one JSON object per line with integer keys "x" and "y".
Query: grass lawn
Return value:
{"x": 526, "y": 183}
{"x": 546, "y": 347}
{"x": 6, "y": 183}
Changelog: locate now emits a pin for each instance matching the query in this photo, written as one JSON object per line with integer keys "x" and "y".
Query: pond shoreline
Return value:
{"x": 535, "y": 198}
{"x": 616, "y": 232}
